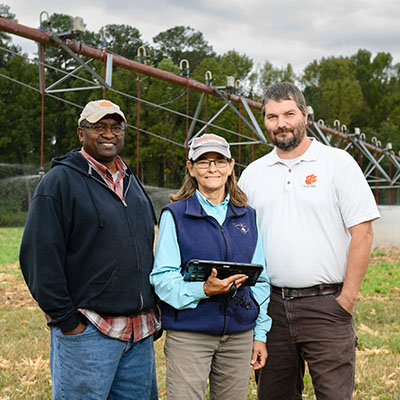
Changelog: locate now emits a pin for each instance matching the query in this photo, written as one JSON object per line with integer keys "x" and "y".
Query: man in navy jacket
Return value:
{"x": 86, "y": 255}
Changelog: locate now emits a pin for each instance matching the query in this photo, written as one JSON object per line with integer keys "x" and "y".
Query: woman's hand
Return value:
{"x": 213, "y": 285}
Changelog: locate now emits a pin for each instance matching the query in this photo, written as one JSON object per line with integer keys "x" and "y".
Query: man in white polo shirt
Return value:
{"x": 314, "y": 209}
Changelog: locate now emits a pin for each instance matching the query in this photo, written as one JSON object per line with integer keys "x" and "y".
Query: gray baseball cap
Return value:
{"x": 208, "y": 143}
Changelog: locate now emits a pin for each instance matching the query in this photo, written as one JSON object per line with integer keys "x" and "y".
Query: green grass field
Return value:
{"x": 24, "y": 337}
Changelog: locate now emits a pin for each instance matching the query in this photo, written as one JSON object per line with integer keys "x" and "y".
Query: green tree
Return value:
{"x": 332, "y": 89}
{"x": 379, "y": 81}
{"x": 123, "y": 40}
{"x": 20, "y": 114}
{"x": 269, "y": 74}
{"x": 361, "y": 91}
{"x": 5, "y": 39}
{"x": 182, "y": 42}
{"x": 241, "y": 67}
{"x": 19, "y": 107}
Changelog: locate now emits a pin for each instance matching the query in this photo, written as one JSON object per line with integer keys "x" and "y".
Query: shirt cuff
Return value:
{"x": 197, "y": 289}
{"x": 260, "y": 337}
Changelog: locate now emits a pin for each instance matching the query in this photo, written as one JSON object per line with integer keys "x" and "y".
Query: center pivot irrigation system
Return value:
{"x": 382, "y": 168}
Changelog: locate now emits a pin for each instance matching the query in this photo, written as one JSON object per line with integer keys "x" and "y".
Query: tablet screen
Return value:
{"x": 200, "y": 270}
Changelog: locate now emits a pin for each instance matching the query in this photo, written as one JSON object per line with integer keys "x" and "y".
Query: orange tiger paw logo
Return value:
{"x": 311, "y": 179}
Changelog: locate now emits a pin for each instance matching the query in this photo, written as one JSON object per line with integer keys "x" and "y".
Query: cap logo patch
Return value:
{"x": 208, "y": 139}
{"x": 106, "y": 103}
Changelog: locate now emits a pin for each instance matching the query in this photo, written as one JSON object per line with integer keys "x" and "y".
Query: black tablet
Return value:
{"x": 199, "y": 270}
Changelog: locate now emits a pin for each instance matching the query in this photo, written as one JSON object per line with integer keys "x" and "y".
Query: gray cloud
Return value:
{"x": 281, "y": 32}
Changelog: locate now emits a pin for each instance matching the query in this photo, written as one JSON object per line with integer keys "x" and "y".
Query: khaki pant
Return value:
{"x": 194, "y": 357}
{"x": 316, "y": 330}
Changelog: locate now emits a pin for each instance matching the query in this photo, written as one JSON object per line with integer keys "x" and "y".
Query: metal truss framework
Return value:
{"x": 382, "y": 168}
{"x": 381, "y": 161}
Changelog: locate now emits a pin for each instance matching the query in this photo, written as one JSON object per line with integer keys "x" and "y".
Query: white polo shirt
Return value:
{"x": 304, "y": 210}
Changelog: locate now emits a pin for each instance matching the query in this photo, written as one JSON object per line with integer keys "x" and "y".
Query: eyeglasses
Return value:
{"x": 101, "y": 129}
{"x": 205, "y": 164}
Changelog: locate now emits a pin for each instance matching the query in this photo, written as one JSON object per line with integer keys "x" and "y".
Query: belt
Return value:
{"x": 317, "y": 290}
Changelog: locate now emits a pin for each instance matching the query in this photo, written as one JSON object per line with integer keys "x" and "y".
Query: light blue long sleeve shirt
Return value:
{"x": 167, "y": 279}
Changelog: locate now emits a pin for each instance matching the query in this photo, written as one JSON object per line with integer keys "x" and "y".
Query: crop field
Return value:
{"x": 24, "y": 337}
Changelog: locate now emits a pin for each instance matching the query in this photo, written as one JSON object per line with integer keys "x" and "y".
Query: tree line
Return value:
{"x": 361, "y": 91}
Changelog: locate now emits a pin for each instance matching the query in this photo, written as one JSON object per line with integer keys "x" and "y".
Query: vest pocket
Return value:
{"x": 243, "y": 308}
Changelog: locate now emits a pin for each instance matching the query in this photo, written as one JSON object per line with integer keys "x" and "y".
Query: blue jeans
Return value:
{"x": 91, "y": 365}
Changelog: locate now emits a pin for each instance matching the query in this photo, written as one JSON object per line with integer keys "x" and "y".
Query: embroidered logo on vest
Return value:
{"x": 241, "y": 226}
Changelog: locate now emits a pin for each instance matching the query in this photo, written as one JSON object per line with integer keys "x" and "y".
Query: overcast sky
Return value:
{"x": 281, "y": 32}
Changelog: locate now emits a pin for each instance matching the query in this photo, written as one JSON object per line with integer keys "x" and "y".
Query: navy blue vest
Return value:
{"x": 200, "y": 236}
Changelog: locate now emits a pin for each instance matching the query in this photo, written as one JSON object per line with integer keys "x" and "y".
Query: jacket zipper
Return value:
{"x": 112, "y": 191}
{"x": 126, "y": 190}
{"x": 134, "y": 242}
{"x": 129, "y": 225}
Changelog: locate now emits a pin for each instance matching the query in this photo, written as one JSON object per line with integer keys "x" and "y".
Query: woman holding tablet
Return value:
{"x": 215, "y": 329}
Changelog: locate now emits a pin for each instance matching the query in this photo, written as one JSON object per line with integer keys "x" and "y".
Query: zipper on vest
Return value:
{"x": 225, "y": 241}
{"x": 226, "y": 299}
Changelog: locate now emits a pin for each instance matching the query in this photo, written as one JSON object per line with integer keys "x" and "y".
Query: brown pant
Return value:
{"x": 312, "y": 329}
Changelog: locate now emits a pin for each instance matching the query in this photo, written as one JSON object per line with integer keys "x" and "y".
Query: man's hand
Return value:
{"x": 79, "y": 329}
{"x": 346, "y": 303}
{"x": 259, "y": 355}
{"x": 213, "y": 285}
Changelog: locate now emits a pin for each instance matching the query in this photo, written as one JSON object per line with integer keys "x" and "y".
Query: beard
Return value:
{"x": 291, "y": 140}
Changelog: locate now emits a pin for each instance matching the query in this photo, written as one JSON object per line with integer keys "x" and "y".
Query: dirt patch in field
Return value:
{"x": 384, "y": 254}
{"x": 13, "y": 290}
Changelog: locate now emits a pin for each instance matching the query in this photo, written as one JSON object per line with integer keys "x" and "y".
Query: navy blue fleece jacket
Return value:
{"x": 83, "y": 247}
